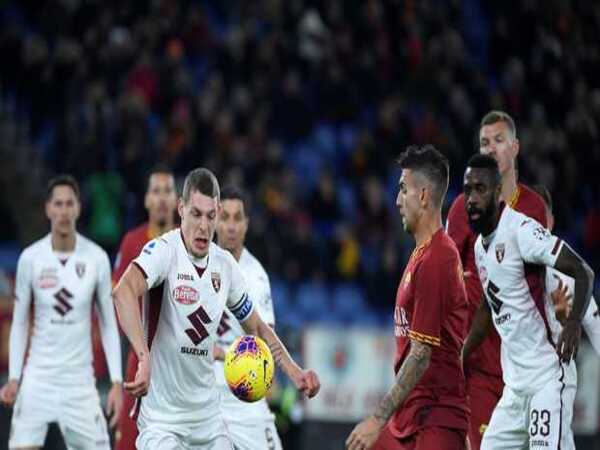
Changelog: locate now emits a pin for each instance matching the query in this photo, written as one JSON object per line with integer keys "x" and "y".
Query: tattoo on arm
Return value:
{"x": 410, "y": 373}
{"x": 570, "y": 263}
{"x": 482, "y": 323}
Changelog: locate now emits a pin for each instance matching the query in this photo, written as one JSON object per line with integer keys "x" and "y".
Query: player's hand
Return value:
{"x": 307, "y": 382}
{"x": 139, "y": 386}
{"x": 114, "y": 403}
{"x": 8, "y": 393}
{"x": 569, "y": 340}
{"x": 218, "y": 353}
{"x": 364, "y": 434}
{"x": 560, "y": 298}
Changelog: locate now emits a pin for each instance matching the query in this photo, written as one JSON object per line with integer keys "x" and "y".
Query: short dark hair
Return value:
{"x": 480, "y": 161}
{"x": 62, "y": 180}
{"x": 545, "y": 194}
{"x": 431, "y": 163}
{"x": 159, "y": 168}
{"x": 496, "y": 116}
{"x": 201, "y": 180}
{"x": 233, "y": 192}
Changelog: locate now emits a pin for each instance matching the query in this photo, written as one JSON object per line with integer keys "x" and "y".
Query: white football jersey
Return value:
{"x": 62, "y": 295}
{"x": 259, "y": 290}
{"x": 182, "y": 382}
{"x": 512, "y": 273}
{"x": 591, "y": 319}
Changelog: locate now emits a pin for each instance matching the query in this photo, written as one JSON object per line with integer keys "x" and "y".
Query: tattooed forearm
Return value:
{"x": 410, "y": 373}
{"x": 482, "y": 323}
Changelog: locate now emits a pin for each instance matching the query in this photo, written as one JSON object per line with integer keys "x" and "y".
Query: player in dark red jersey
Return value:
{"x": 497, "y": 138}
{"x": 160, "y": 202}
{"x": 426, "y": 409}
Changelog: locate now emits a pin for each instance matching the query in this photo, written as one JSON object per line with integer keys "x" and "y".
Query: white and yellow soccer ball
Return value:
{"x": 249, "y": 368}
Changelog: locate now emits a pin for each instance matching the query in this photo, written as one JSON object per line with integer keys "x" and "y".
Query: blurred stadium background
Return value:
{"x": 306, "y": 104}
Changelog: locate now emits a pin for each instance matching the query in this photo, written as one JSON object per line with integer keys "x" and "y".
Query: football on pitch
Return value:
{"x": 249, "y": 368}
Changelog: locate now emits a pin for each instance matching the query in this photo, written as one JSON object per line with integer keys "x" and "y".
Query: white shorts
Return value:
{"x": 207, "y": 435}
{"x": 537, "y": 422}
{"x": 77, "y": 411}
{"x": 254, "y": 435}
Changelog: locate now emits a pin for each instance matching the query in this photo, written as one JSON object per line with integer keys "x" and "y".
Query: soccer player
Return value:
{"x": 561, "y": 288}
{"x": 426, "y": 408}
{"x": 194, "y": 279}
{"x": 251, "y": 425}
{"x": 161, "y": 202}
{"x": 497, "y": 138}
{"x": 60, "y": 275}
{"x": 511, "y": 252}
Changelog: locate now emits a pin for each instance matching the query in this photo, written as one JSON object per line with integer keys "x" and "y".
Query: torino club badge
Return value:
{"x": 500, "y": 252}
{"x": 216, "y": 280}
{"x": 80, "y": 269}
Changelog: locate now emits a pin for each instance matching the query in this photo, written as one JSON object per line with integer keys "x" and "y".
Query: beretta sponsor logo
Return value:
{"x": 185, "y": 295}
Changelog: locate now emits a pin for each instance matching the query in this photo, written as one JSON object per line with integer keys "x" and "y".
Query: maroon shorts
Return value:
{"x": 428, "y": 438}
{"x": 127, "y": 431}
{"x": 483, "y": 393}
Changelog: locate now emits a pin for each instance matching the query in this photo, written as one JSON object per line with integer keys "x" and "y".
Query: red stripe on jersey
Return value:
{"x": 155, "y": 296}
{"x": 140, "y": 268}
{"x": 535, "y": 277}
{"x": 556, "y": 246}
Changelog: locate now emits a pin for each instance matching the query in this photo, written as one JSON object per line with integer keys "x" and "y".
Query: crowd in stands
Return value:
{"x": 305, "y": 104}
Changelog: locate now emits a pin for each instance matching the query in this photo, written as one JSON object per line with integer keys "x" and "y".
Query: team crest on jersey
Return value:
{"x": 500, "y": 252}
{"x": 215, "y": 277}
{"x": 185, "y": 295}
{"x": 80, "y": 269}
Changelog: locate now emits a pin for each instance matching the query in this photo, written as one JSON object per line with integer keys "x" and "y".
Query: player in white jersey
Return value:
{"x": 60, "y": 275}
{"x": 562, "y": 286}
{"x": 194, "y": 279}
{"x": 251, "y": 425}
{"x": 511, "y": 253}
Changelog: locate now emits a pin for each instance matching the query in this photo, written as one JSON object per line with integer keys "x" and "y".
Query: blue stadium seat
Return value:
{"x": 312, "y": 301}
{"x": 349, "y": 303}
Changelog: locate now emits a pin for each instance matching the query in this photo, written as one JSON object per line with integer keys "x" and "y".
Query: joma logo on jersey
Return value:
{"x": 185, "y": 277}
{"x": 185, "y": 295}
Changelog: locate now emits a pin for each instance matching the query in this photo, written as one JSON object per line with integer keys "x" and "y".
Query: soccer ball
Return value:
{"x": 249, "y": 368}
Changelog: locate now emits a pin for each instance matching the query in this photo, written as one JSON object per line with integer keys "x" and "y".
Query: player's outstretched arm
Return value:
{"x": 482, "y": 324}
{"x": 306, "y": 381}
{"x": 570, "y": 263}
{"x": 126, "y": 293}
{"x": 414, "y": 366}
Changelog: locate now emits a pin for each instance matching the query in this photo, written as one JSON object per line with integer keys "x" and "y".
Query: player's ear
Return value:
{"x": 516, "y": 147}
{"x": 180, "y": 207}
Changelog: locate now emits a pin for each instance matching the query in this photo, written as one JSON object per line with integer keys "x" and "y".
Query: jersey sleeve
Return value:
{"x": 20, "y": 324}
{"x": 536, "y": 244}
{"x": 265, "y": 303}
{"x": 108, "y": 321}
{"x": 154, "y": 261}
{"x": 457, "y": 225}
{"x": 238, "y": 301}
{"x": 432, "y": 282}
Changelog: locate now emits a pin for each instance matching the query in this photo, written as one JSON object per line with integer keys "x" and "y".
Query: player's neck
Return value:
{"x": 63, "y": 243}
{"x": 237, "y": 253}
{"x": 429, "y": 224}
{"x": 509, "y": 185}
